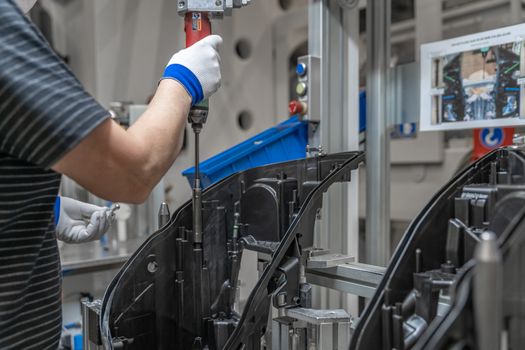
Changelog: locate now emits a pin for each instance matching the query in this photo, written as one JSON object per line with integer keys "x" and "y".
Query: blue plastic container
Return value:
{"x": 284, "y": 142}
{"x": 78, "y": 343}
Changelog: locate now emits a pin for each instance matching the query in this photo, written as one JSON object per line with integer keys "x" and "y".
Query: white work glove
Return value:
{"x": 80, "y": 222}
{"x": 197, "y": 68}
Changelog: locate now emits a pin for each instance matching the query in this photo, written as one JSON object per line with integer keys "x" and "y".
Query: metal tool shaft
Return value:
{"x": 197, "y": 26}
{"x": 197, "y": 194}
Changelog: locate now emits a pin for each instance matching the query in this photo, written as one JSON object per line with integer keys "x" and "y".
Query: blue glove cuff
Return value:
{"x": 186, "y": 77}
{"x": 57, "y": 210}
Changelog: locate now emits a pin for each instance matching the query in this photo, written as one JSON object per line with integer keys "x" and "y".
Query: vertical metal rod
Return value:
{"x": 197, "y": 163}
{"x": 351, "y": 130}
{"x": 179, "y": 287}
{"x": 197, "y": 243}
{"x": 333, "y": 36}
{"x": 197, "y": 287}
{"x": 488, "y": 292}
{"x": 377, "y": 134}
{"x": 197, "y": 194}
{"x": 316, "y": 33}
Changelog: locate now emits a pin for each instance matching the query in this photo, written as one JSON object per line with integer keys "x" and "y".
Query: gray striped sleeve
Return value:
{"x": 44, "y": 110}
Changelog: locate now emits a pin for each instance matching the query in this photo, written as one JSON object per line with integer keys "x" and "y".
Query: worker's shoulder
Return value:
{"x": 9, "y": 11}
{"x": 14, "y": 24}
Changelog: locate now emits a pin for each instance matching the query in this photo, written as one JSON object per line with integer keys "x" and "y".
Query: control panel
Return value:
{"x": 308, "y": 89}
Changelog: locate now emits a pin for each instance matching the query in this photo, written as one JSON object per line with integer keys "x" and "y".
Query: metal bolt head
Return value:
{"x": 152, "y": 266}
{"x": 218, "y": 3}
{"x": 182, "y": 4}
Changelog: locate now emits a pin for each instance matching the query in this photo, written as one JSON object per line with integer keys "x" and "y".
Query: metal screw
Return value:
{"x": 182, "y": 4}
{"x": 218, "y": 2}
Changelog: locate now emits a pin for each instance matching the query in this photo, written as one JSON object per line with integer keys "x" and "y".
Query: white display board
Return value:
{"x": 474, "y": 81}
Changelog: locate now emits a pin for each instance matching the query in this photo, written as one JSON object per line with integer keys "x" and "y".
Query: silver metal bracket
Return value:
{"x": 315, "y": 151}
{"x": 304, "y": 328}
{"x": 328, "y": 259}
{"x": 354, "y": 278}
{"x": 217, "y": 8}
{"x": 326, "y": 329}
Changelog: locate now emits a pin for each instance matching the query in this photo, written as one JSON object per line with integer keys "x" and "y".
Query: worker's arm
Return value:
{"x": 124, "y": 165}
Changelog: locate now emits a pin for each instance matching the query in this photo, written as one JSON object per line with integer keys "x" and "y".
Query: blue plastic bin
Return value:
{"x": 284, "y": 142}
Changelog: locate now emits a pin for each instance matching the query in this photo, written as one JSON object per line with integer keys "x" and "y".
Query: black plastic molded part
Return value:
{"x": 171, "y": 308}
{"x": 488, "y": 195}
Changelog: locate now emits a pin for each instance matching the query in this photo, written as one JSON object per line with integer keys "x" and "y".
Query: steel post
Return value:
{"x": 377, "y": 133}
{"x": 333, "y": 36}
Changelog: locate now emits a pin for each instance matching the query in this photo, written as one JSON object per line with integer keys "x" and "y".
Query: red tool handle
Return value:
{"x": 197, "y": 26}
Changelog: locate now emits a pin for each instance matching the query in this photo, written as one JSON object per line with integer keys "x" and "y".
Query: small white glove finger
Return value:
{"x": 105, "y": 221}
{"x": 77, "y": 209}
{"x": 102, "y": 226}
{"x": 111, "y": 217}
{"x": 99, "y": 225}
{"x": 87, "y": 209}
{"x": 93, "y": 228}
{"x": 76, "y": 234}
{"x": 215, "y": 41}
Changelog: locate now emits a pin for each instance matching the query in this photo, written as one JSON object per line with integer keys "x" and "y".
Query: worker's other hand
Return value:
{"x": 197, "y": 68}
{"x": 78, "y": 222}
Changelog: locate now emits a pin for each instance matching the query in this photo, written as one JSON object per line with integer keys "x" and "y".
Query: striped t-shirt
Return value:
{"x": 44, "y": 113}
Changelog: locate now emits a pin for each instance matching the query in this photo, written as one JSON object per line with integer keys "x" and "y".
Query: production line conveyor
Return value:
{"x": 458, "y": 262}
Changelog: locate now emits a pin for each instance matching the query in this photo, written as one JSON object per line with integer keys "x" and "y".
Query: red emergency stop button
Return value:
{"x": 297, "y": 107}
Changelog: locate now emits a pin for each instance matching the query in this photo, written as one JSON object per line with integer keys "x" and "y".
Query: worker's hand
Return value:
{"x": 197, "y": 68}
{"x": 78, "y": 222}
